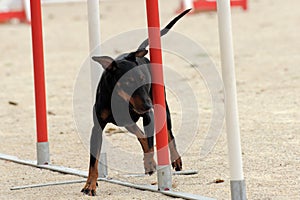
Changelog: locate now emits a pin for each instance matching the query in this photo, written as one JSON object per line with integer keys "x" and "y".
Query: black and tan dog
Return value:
{"x": 123, "y": 96}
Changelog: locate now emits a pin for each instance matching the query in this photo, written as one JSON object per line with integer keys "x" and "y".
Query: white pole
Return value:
{"x": 94, "y": 42}
{"x": 27, "y": 10}
{"x": 188, "y": 4}
{"x": 238, "y": 188}
{"x": 94, "y": 24}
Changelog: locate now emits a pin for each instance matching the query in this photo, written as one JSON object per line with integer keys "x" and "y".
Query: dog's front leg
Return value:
{"x": 148, "y": 124}
{"x": 95, "y": 149}
{"x": 149, "y": 162}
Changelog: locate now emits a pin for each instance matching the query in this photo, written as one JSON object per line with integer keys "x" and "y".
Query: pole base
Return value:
{"x": 238, "y": 190}
{"x": 43, "y": 157}
{"x": 164, "y": 177}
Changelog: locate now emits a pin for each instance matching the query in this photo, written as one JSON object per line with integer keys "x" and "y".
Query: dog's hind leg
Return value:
{"x": 175, "y": 157}
{"x": 149, "y": 162}
{"x": 95, "y": 149}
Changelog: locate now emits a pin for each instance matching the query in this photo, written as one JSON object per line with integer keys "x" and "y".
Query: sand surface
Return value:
{"x": 267, "y": 45}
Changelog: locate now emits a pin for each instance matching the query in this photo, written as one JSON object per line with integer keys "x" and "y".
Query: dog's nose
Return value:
{"x": 147, "y": 106}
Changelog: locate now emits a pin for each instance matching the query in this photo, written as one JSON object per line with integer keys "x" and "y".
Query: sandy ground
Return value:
{"x": 266, "y": 41}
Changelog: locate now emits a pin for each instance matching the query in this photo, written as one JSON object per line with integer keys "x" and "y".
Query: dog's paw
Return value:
{"x": 149, "y": 165}
{"x": 90, "y": 188}
{"x": 177, "y": 164}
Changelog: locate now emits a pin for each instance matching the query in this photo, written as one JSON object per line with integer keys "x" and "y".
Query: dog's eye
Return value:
{"x": 129, "y": 81}
{"x": 142, "y": 77}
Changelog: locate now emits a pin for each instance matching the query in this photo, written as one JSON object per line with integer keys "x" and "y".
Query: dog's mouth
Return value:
{"x": 140, "y": 111}
{"x": 136, "y": 103}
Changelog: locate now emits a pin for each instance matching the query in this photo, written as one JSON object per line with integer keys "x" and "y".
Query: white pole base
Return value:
{"x": 102, "y": 166}
{"x": 238, "y": 190}
{"x": 43, "y": 157}
{"x": 164, "y": 177}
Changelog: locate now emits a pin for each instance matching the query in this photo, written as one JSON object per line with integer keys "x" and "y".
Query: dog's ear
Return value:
{"x": 139, "y": 53}
{"x": 107, "y": 62}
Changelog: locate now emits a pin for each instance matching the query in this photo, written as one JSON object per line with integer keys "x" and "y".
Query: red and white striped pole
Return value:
{"x": 39, "y": 83}
{"x": 164, "y": 169}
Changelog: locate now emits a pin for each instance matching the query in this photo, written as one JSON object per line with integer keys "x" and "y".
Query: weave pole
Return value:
{"x": 27, "y": 10}
{"x": 164, "y": 169}
{"x": 94, "y": 42}
{"x": 237, "y": 183}
{"x": 39, "y": 83}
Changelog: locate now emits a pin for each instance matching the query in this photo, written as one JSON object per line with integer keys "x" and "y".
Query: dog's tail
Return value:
{"x": 164, "y": 31}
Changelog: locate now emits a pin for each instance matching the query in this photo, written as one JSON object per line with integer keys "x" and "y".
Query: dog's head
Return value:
{"x": 130, "y": 77}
